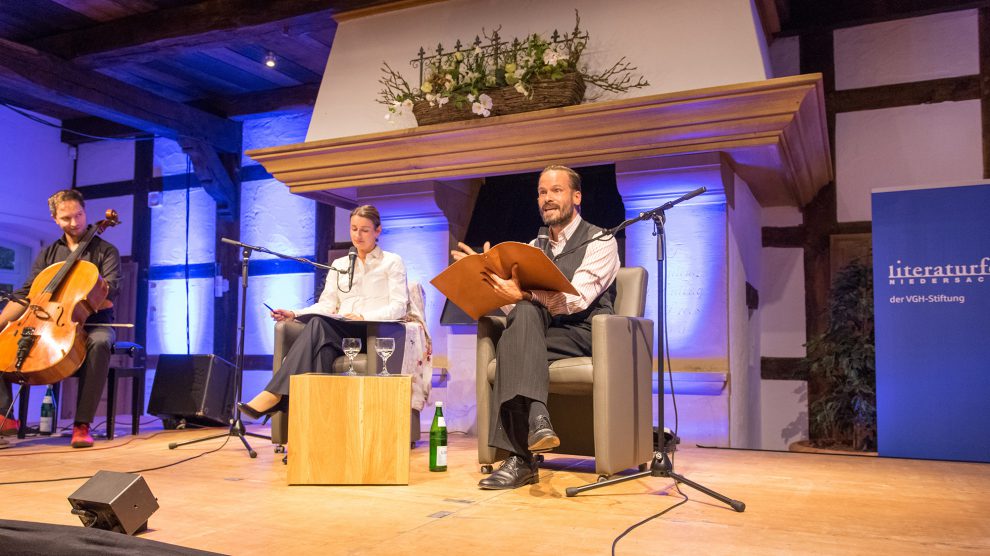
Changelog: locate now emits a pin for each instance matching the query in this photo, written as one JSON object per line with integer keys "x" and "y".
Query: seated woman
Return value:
{"x": 378, "y": 292}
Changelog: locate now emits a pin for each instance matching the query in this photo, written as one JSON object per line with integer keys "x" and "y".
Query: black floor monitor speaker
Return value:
{"x": 113, "y": 501}
{"x": 197, "y": 388}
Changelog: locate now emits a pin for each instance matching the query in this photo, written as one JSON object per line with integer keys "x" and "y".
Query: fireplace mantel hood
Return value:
{"x": 773, "y": 131}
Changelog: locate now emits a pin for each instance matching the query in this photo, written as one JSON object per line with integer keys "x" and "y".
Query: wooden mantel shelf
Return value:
{"x": 773, "y": 131}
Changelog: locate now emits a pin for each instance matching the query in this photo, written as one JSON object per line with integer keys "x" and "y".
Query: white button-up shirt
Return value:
{"x": 596, "y": 273}
{"x": 378, "y": 292}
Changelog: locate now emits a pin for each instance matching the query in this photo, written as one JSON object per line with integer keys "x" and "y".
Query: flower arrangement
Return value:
{"x": 486, "y": 76}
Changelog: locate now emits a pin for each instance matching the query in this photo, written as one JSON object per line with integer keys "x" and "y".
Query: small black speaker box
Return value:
{"x": 113, "y": 501}
{"x": 197, "y": 388}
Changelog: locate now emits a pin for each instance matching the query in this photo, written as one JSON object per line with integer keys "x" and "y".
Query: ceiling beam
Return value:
{"x": 272, "y": 100}
{"x": 37, "y": 75}
{"x": 142, "y": 37}
{"x": 217, "y": 179}
{"x": 77, "y": 131}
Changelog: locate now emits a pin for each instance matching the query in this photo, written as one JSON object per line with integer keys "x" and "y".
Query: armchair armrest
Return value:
{"x": 286, "y": 333}
{"x": 622, "y": 361}
{"x": 489, "y": 332}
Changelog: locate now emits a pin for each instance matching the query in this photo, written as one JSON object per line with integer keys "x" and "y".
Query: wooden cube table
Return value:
{"x": 349, "y": 430}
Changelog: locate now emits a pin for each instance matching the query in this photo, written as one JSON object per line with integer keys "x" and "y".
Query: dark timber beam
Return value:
{"x": 216, "y": 176}
{"x": 983, "y": 25}
{"x": 77, "y": 131}
{"x": 817, "y": 15}
{"x": 273, "y": 100}
{"x": 950, "y": 89}
{"x": 141, "y": 37}
{"x": 35, "y": 74}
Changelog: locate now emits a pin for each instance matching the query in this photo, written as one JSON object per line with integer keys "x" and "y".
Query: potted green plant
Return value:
{"x": 841, "y": 365}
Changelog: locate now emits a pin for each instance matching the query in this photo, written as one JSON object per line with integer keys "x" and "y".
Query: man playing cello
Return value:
{"x": 67, "y": 209}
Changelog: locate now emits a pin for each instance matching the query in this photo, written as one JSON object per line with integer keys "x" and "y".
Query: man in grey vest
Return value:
{"x": 544, "y": 326}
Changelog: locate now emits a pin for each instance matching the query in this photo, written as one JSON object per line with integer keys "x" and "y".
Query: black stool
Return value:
{"x": 136, "y": 372}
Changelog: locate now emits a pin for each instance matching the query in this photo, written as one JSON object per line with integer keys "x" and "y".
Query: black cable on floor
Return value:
{"x": 652, "y": 517}
{"x": 197, "y": 456}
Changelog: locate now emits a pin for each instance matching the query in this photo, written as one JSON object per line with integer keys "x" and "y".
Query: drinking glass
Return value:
{"x": 384, "y": 347}
{"x": 351, "y": 348}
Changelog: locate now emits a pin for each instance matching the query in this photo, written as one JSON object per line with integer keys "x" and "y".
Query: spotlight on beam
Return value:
{"x": 270, "y": 59}
{"x": 120, "y": 502}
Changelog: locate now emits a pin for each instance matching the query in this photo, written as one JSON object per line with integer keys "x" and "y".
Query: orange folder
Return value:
{"x": 462, "y": 281}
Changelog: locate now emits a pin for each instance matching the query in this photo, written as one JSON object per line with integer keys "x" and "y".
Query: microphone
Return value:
{"x": 543, "y": 238}
{"x": 352, "y": 255}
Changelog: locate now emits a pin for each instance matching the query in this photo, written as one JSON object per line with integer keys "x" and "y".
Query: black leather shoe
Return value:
{"x": 281, "y": 405}
{"x": 541, "y": 436}
{"x": 513, "y": 473}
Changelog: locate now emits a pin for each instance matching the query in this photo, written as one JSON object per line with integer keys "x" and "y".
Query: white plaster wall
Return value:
{"x": 121, "y": 234}
{"x": 699, "y": 419}
{"x": 274, "y": 218}
{"x": 289, "y": 291}
{"x": 781, "y": 217}
{"x": 341, "y": 224}
{"x": 905, "y": 50}
{"x": 168, "y": 228}
{"x": 910, "y": 145}
{"x": 105, "y": 162}
{"x": 35, "y": 164}
{"x": 269, "y": 130}
{"x": 169, "y": 160}
{"x": 677, "y": 45}
{"x": 167, "y": 316}
{"x": 782, "y": 303}
{"x": 785, "y": 415}
{"x": 744, "y": 266}
{"x": 785, "y": 56}
{"x": 696, "y": 311}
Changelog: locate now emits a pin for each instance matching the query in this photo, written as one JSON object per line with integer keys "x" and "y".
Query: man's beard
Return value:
{"x": 563, "y": 217}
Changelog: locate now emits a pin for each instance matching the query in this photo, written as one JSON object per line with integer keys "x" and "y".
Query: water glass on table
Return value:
{"x": 384, "y": 347}
{"x": 351, "y": 347}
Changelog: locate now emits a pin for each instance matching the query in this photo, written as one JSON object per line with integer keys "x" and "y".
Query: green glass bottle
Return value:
{"x": 47, "y": 425}
{"x": 438, "y": 440}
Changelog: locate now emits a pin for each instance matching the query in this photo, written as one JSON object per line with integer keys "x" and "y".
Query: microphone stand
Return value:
{"x": 236, "y": 424}
{"x": 661, "y": 465}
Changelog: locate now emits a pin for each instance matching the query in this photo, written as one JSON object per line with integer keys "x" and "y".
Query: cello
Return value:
{"x": 47, "y": 343}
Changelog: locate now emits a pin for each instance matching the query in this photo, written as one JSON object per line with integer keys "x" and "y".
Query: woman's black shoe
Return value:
{"x": 251, "y": 412}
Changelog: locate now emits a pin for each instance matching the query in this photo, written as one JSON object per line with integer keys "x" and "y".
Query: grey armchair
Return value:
{"x": 601, "y": 405}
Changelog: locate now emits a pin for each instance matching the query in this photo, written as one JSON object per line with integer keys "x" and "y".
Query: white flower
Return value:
{"x": 480, "y": 110}
{"x": 490, "y": 80}
{"x": 407, "y": 104}
{"x": 521, "y": 88}
{"x": 470, "y": 97}
{"x": 442, "y": 100}
{"x": 519, "y": 73}
{"x": 550, "y": 57}
{"x": 486, "y": 101}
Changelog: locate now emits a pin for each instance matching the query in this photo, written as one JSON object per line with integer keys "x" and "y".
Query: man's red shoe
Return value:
{"x": 80, "y": 436}
{"x": 9, "y": 427}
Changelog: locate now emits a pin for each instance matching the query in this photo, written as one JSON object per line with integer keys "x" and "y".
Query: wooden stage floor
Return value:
{"x": 796, "y": 503}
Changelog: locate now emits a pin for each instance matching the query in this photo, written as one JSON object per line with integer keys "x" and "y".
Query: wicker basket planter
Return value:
{"x": 566, "y": 91}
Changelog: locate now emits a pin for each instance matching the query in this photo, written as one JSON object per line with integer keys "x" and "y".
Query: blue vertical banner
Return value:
{"x": 931, "y": 264}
